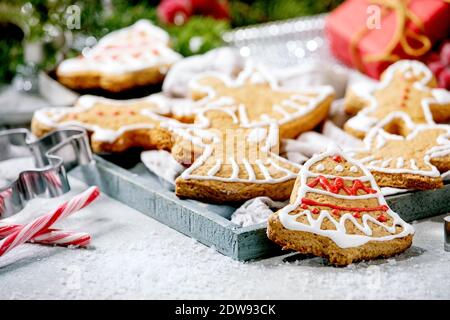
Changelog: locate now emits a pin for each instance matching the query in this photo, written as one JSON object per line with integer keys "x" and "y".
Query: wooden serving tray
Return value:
{"x": 210, "y": 224}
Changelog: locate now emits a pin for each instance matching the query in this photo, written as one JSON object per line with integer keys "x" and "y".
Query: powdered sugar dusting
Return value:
{"x": 154, "y": 260}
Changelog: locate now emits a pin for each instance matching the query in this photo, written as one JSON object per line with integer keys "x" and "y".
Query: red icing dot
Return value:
{"x": 132, "y": 112}
{"x": 382, "y": 218}
{"x": 155, "y": 51}
{"x": 337, "y": 158}
{"x": 303, "y": 206}
{"x": 137, "y": 54}
{"x": 315, "y": 210}
{"x": 356, "y": 215}
{"x": 336, "y": 212}
{"x": 100, "y": 113}
{"x": 116, "y": 113}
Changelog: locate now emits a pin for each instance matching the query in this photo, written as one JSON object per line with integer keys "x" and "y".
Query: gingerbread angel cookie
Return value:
{"x": 413, "y": 161}
{"x": 407, "y": 87}
{"x": 138, "y": 55}
{"x": 228, "y": 162}
{"x": 114, "y": 125}
{"x": 338, "y": 212}
{"x": 259, "y": 99}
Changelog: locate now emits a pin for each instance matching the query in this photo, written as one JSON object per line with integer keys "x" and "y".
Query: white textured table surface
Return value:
{"x": 133, "y": 256}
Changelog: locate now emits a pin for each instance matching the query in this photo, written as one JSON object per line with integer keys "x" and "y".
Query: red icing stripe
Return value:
{"x": 339, "y": 184}
{"x": 337, "y": 158}
{"x": 333, "y": 206}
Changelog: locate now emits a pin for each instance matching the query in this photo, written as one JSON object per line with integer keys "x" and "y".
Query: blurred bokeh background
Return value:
{"x": 37, "y": 34}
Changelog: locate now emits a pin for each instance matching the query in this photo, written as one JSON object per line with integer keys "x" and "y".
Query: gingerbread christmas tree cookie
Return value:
{"x": 414, "y": 161}
{"x": 338, "y": 212}
{"x": 115, "y": 125}
{"x": 229, "y": 163}
{"x": 259, "y": 99}
{"x": 407, "y": 87}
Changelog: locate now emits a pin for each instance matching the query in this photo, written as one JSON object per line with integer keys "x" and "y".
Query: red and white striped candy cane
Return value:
{"x": 51, "y": 236}
{"x": 63, "y": 238}
{"x": 41, "y": 224}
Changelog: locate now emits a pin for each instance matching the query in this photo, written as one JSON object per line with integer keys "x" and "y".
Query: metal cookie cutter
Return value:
{"x": 53, "y": 154}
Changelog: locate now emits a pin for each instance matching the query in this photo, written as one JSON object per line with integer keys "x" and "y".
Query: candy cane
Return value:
{"x": 40, "y": 225}
{"x": 51, "y": 236}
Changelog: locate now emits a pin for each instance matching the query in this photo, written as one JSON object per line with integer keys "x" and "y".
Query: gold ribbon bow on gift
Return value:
{"x": 400, "y": 36}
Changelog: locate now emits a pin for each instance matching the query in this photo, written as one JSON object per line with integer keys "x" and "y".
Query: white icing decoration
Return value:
{"x": 380, "y": 142}
{"x": 339, "y": 168}
{"x": 413, "y": 165}
{"x": 386, "y": 163}
{"x": 257, "y": 135}
{"x": 400, "y": 162}
{"x": 320, "y": 167}
{"x": 215, "y": 168}
{"x": 364, "y": 122}
{"x": 137, "y": 47}
{"x": 340, "y": 236}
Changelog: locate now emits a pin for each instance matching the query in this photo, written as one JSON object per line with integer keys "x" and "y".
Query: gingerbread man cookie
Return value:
{"x": 407, "y": 86}
{"x": 414, "y": 161}
{"x": 134, "y": 56}
{"x": 337, "y": 211}
{"x": 115, "y": 125}
{"x": 231, "y": 163}
{"x": 259, "y": 99}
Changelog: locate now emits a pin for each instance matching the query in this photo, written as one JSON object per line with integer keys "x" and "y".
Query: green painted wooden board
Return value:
{"x": 210, "y": 224}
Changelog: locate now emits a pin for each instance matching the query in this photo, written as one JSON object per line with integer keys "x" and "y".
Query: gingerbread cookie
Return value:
{"x": 338, "y": 212}
{"x": 230, "y": 163}
{"x": 406, "y": 86}
{"x": 414, "y": 161}
{"x": 138, "y": 55}
{"x": 259, "y": 99}
{"x": 115, "y": 125}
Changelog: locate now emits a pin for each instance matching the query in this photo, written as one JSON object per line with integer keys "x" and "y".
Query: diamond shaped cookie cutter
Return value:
{"x": 53, "y": 154}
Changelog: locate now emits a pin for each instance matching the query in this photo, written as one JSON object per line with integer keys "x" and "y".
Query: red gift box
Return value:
{"x": 371, "y": 34}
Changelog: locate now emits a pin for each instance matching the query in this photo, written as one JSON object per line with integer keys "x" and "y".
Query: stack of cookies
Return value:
{"x": 227, "y": 131}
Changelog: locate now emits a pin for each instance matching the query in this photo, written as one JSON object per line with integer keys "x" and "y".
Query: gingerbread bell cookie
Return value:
{"x": 114, "y": 125}
{"x": 406, "y": 87}
{"x": 338, "y": 212}
{"x": 230, "y": 163}
{"x": 135, "y": 56}
{"x": 413, "y": 161}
